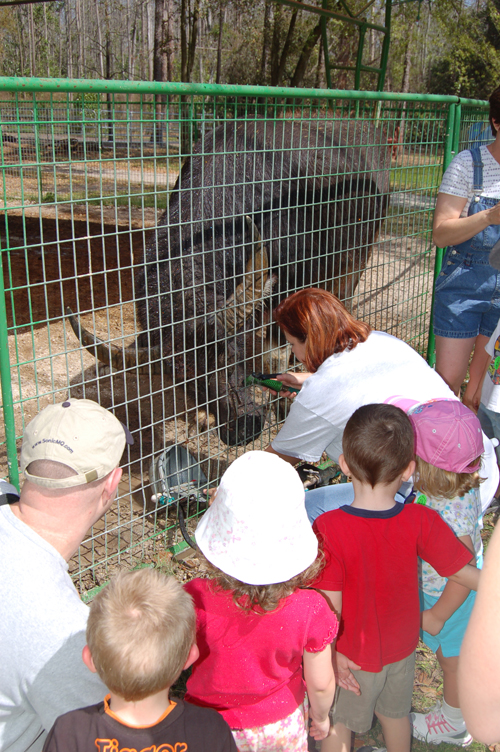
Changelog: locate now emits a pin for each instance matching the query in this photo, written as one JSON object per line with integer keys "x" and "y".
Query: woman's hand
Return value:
{"x": 450, "y": 228}
{"x": 290, "y": 378}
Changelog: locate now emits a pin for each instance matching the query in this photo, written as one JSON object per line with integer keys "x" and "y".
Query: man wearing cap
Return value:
{"x": 69, "y": 456}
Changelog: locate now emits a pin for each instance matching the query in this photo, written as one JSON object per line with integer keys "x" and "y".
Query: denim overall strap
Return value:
{"x": 467, "y": 290}
{"x": 484, "y": 241}
{"x": 477, "y": 164}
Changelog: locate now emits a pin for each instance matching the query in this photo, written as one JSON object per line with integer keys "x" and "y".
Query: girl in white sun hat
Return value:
{"x": 263, "y": 639}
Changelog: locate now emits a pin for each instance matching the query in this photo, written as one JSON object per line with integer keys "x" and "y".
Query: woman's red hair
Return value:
{"x": 319, "y": 319}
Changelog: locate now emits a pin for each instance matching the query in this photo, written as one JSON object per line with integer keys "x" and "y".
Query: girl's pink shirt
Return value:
{"x": 250, "y": 664}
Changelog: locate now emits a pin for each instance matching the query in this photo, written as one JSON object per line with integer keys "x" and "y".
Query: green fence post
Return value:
{"x": 450, "y": 144}
{"x": 5, "y": 381}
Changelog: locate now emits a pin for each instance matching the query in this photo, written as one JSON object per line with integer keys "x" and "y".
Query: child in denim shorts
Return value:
{"x": 371, "y": 577}
{"x": 448, "y": 448}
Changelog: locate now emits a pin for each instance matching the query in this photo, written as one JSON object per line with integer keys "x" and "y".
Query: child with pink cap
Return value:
{"x": 263, "y": 638}
{"x": 448, "y": 448}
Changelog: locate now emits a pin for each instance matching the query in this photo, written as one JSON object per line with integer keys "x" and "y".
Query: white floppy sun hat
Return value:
{"x": 257, "y": 528}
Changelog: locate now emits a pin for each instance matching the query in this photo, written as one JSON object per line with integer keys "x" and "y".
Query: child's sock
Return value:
{"x": 454, "y": 715}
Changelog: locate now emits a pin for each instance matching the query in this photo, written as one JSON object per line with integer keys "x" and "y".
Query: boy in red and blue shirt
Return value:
{"x": 371, "y": 577}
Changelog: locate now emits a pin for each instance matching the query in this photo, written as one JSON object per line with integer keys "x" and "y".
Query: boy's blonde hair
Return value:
{"x": 443, "y": 484}
{"x": 140, "y": 630}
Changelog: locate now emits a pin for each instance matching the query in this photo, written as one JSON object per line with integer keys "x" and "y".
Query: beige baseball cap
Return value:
{"x": 78, "y": 433}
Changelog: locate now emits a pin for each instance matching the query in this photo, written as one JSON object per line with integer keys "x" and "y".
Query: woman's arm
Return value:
{"x": 287, "y": 457}
{"x": 450, "y": 228}
{"x": 320, "y": 683}
{"x": 479, "y": 665}
{"x": 452, "y": 597}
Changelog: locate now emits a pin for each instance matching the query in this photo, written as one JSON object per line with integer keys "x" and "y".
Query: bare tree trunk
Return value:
{"x": 275, "y": 45}
{"x": 70, "y": 45}
{"x": 219, "y": 44}
{"x": 159, "y": 67}
{"x": 286, "y": 49}
{"x": 405, "y": 85}
{"x": 20, "y": 38}
{"x": 169, "y": 41}
{"x": 109, "y": 74}
{"x": 307, "y": 49}
{"x": 189, "y": 37}
{"x": 184, "y": 31}
{"x": 150, "y": 38}
{"x": 158, "y": 51}
{"x": 317, "y": 81}
{"x": 405, "y": 88}
{"x": 79, "y": 37}
{"x": 193, "y": 38}
{"x": 46, "y": 31}
{"x": 99, "y": 40}
{"x": 265, "y": 42}
{"x": 61, "y": 47}
{"x": 32, "y": 45}
{"x": 133, "y": 36}
{"x": 301, "y": 67}
{"x": 144, "y": 46}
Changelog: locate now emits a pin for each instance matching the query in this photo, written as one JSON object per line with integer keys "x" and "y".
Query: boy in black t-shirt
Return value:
{"x": 140, "y": 636}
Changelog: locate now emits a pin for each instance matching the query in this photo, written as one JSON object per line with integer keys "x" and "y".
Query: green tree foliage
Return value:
{"x": 437, "y": 46}
{"x": 470, "y": 63}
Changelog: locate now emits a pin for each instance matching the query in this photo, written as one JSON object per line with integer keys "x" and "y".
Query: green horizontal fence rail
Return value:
{"x": 89, "y": 167}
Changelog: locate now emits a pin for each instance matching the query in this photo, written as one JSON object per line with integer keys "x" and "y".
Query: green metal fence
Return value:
{"x": 87, "y": 170}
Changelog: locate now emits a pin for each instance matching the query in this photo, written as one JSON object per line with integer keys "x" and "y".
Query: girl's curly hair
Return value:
{"x": 444, "y": 484}
{"x": 263, "y": 598}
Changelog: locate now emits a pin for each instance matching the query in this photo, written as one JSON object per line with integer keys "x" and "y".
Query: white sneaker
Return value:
{"x": 434, "y": 728}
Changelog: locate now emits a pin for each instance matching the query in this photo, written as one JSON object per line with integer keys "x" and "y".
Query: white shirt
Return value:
{"x": 379, "y": 368}
{"x": 490, "y": 394}
{"x": 458, "y": 180}
{"x": 42, "y": 633}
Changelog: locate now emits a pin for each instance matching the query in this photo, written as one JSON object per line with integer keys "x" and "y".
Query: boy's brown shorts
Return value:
{"x": 388, "y": 692}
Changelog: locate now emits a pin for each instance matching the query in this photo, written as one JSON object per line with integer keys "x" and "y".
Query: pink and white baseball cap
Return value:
{"x": 447, "y": 435}
{"x": 257, "y": 528}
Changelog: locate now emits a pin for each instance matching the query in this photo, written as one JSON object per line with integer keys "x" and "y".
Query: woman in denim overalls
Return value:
{"x": 467, "y": 292}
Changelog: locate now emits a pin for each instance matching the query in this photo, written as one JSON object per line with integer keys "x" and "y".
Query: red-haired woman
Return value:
{"x": 348, "y": 365}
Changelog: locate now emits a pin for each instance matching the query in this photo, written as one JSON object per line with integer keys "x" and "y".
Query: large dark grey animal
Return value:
{"x": 315, "y": 192}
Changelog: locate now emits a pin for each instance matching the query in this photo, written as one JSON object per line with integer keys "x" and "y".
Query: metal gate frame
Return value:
{"x": 456, "y": 111}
